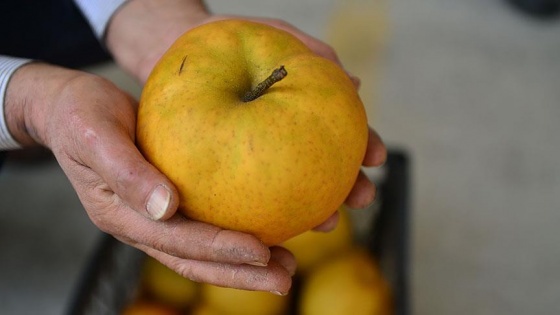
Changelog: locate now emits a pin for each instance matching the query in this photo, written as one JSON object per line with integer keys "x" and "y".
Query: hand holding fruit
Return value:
{"x": 143, "y": 30}
{"x": 274, "y": 164}
{"x": 90, "y": 126}
{"x": 157, "y": 36}
{"x": 253, "y": 164}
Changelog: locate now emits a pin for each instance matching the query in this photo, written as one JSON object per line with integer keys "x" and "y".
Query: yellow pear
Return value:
{"x": 149, "y": 308}
{"x": 166, "y": 286}
{"x": 228, "y": 301}
{"x": 203, "y": 309}
{"x": 273, "y": 155}
{"x": 351, "y": 283}
{"x": 311, "y": 248}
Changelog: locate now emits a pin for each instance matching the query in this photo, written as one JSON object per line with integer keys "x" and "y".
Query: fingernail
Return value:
{"x": 292, "y": 271}
{"x": 356, "y": 81}
{"x": 257, "y": 263}
{"x": 370, "y": 201}
{"x": 159, "y": 202}
{"x": 278, "y": 293}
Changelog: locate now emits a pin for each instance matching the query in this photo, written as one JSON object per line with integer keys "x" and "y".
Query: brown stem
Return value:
{"x": 277, "y": 75}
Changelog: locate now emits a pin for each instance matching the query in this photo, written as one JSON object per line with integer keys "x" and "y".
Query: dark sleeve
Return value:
{"x": 2, "y": 154}
{"x": 54, "y": 31}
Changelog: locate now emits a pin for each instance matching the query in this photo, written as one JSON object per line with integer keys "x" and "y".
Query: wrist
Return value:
{"x": 8, "y": 66}
{"x": 30, "y": 98}
{"x": 142, "y": 30}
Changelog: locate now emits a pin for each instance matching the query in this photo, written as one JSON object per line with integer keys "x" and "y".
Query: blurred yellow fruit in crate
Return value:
{"x": 203, "y": 309}
{"x": 311, "y": 248}
{"x": 168, "y": 287}
{"x": 227, "y": 301}
{"x": 351, "y": 283}
{"x": 149, "y": 308}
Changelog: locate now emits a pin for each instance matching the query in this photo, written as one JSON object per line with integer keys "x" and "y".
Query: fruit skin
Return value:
{"x": 228, "y": 301}
{"x": 312, "y": 248}
{"x": 273, "y": 167}
{"x": 351, "y": 283}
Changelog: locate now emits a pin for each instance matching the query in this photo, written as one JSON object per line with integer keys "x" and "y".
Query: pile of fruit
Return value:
{"x": 335, "y": 276}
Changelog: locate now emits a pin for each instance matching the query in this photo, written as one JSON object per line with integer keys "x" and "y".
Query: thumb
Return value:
{"x": 111, "y": 153}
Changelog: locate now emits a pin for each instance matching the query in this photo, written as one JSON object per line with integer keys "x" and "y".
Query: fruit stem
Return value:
{"x": 277, "y": 75}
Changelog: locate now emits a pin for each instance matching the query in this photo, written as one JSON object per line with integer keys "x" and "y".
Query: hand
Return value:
{"x": 89, "y": 125}
{"x": 156, "y": 25}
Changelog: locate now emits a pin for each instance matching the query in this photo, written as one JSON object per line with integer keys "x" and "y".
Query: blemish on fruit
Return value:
{"x": 182, "y": 64}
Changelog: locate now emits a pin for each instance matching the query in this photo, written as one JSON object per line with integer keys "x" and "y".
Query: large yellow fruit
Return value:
{"x": 228, "y": 301}
{"x": 349, "y": 284}
{"x": 311, "y": 248}
{"x": 274, "y": 166}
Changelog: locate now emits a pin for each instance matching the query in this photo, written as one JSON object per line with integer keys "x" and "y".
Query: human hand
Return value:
{"x": 89, "y": 125}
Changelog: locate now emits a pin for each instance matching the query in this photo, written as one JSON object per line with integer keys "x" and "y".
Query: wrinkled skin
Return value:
{"x": 89, "y": 124}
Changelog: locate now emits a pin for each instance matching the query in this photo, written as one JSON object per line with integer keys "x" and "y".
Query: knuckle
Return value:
{"x": 102, "y": 216}
{"x": 185, "y": 270}
{"x": 216, "y": 246}
{"x": 125, "y": 176}
{"x": 329, "y": 52}
{"x": 280, "y": 23}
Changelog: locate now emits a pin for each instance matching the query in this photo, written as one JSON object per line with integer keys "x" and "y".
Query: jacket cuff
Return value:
{"x": 98, "y": 14}
{"x": 8, "y": 65}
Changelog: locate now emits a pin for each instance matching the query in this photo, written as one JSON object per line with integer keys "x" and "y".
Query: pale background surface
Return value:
{"x": 469, "y": 87}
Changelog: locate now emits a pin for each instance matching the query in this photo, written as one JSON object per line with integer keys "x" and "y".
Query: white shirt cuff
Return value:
{"x": 99, "y": 13}
{"x": 8, "y": 65}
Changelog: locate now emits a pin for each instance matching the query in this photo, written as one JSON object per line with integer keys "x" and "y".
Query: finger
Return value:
{"x": 139, "y": 184}
{"x": 376, "y": 153}
{"x": 355, "y": 80}
{"x": 316, "y": 45}
{"x": 329, "y": 224}
{"x": 108, "y": 149}
{"x": 362, "y": 194}
{"x": 285, "y": 258}
{"x": 271, "y": 278}
{"x": 189, "y": 239}
{"x": 322, "y": 49}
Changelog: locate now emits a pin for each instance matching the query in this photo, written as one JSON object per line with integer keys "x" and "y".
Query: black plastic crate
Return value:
{"x": 111, "y": 278}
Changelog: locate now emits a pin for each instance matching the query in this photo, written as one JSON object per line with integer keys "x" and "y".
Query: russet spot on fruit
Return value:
{"x": 273, "y": 165}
